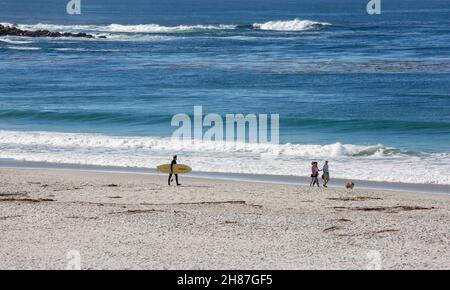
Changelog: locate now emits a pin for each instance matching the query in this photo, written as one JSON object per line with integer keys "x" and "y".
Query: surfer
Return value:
{"x": 174, "y": 161}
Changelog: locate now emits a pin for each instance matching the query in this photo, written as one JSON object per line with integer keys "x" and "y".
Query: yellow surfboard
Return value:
{"x": 177, "y": 168}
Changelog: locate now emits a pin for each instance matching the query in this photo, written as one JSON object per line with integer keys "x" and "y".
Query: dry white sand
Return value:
{"x": 126, "y": 221}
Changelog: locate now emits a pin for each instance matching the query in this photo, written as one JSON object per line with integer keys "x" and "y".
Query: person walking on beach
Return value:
{"x": 326, "y": 174}
{"x": 315, "y": 174}
{"x": 174, "y": 161}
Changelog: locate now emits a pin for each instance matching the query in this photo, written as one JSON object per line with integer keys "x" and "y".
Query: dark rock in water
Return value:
{"x": 14, "y": 31}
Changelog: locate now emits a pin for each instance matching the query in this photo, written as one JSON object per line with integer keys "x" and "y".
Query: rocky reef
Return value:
{"x": 15, "y": 31}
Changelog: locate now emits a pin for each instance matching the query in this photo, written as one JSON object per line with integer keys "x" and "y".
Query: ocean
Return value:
{"x": 371, "y": 93}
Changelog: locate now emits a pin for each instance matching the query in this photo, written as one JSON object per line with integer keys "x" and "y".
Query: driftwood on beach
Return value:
{"x": 15, "y": 31}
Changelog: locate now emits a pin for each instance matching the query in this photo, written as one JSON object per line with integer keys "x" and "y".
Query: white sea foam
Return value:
{"x": 23, "y": 48}
{"x": 158, "y": 33}
{"x": 11, "y": 41}
{"x": 140, "y": 28}
{"x": 135, "y": 37}
{"x": 151, "y": 28}
{"x": 158, "y": 143}
{"x": 85, "y": 49}
{"x": 291, "y": 25}
{"x": 376, "y": 163}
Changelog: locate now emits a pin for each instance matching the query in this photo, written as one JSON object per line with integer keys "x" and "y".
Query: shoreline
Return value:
{"x": 251, "y": 178}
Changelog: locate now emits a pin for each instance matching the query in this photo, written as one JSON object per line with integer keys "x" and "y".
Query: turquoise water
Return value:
{"x": 354, "y": 88}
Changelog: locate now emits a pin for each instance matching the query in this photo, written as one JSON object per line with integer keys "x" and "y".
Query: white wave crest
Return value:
{"x": 158, "y": 143}
{"x": 85, "y": 49}
{"x": 10, "y": 41}
{"x": 113, "y": 28}
{"x": 23, "y": 48}
{"x": 135, "y": 37}
{"x": 291, "y": 25}
{"x": 152, "y": 28}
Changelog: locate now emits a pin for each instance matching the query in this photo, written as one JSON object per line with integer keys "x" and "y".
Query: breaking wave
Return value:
{"x": 375, "y": 163}
{"x": 23, "y": 48}
{"x": 292, "y": 25}
{"x": 158, "y": 143}
{"x": 140, "y": 28}
{"x": 10, "y": 41}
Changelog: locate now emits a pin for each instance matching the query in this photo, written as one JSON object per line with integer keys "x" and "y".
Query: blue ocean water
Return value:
{"x": 360, "y": 89}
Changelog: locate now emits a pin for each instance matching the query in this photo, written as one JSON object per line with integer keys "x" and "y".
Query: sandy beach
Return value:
{"x": 132, "y": 221}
